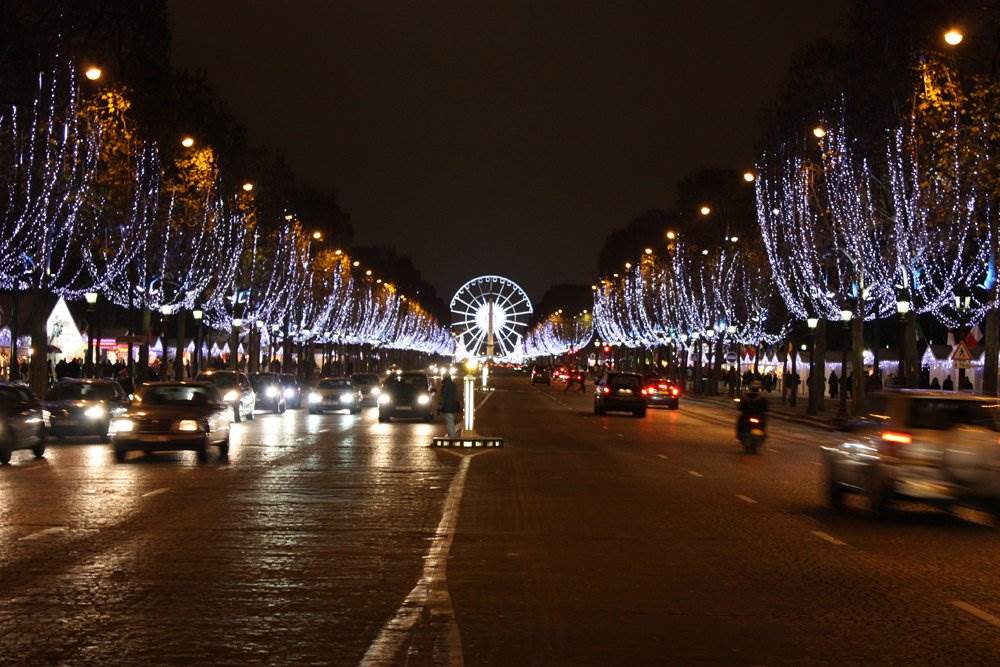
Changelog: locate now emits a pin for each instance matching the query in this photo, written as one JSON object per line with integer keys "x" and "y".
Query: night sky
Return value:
{"x": 505, "y": 137}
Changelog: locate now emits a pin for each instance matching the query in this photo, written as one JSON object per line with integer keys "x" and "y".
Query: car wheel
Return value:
{"x": 120, "y": 454}
{"x": 834, "y": 492}
{"x": 876, "y": 495}
{"x": 237, "y": 413}
{"x": 39, "y": 449}
{"x": 281, "y": 408}
{"x": 640, "y": 413}
{"x": 251, "y": 414}
{"x": 201, "y": 453}
{"x": 224, "y": 448}
{"x": 383, "y": 419}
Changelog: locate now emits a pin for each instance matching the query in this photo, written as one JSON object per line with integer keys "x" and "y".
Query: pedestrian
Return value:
{"x": 964, "y": 383}
{"x": 834, "y": 383}
{"x": 948, "y": 384}
{"x": 935, "y": 384}
{"x": 849, "y": 384}
{"x": 449, "y": 404}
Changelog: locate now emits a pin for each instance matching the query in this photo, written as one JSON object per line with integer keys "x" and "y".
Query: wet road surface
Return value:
{"x": 332, "y": 539}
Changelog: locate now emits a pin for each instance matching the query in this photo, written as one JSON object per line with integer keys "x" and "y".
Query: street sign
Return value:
{"x": 732, "y": 357}
{"x": 962, "y": 356}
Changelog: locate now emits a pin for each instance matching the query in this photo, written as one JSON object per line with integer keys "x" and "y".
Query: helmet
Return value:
{"x": 755, "y": 387}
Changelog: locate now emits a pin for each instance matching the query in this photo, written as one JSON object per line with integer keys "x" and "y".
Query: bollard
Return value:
{"x": 470, "y": 403}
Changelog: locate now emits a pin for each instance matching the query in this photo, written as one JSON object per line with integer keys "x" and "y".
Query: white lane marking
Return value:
{"x": 772, "y": 449}
{"x": 977, "y": 612}
{"x": 30, "y": 468}
{"x": 695, "y": 473}
{"x": 828, "y": 537}
{"x": 485, "y": 398}
{"x": 746, "y": 499}
{"x": 816, "y": 463}
{"x": 606, "y": 428}
{"x": 663, "y": 456}
{"x": 42, "y": 533}
{"x": 431, "y": 594}
{"x": 155, "y": 492}
{"x": 620, "y": 435}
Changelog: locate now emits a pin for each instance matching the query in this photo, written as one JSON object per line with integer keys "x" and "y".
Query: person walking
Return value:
{"x": 834, "y": 383}
{"x": 449, "y": 404}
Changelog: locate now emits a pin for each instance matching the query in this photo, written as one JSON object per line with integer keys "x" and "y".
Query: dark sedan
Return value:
{"x": 292, "y": 390}
{"x": 21, "y": 422}
{"x": 408, "y": 395}
{"x": 660, "y": 391}
{"x": 269, "y": 392}
{"x": 620, "y": 392}
{"x": 368, "y": 384}
{"x": 84, "y": 407}
{"x": 173, "y": 416}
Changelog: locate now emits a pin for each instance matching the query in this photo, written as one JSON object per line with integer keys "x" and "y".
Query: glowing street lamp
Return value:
{"x": 705, "y": 210}
{"x": 187, "y": 142}
{"x": 819, "y": 132}
{"x": 749, "y": 176}
{"x": 95, "y": 73}
{"x": 248, "y": 187}
{"x": 671, "y": 235}
{"x": 317, "y": 235}
{"x": 649, "y": 251}
{"x": 953, "y": 37}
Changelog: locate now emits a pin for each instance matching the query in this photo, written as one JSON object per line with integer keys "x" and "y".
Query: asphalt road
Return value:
{"x": 337, "y": 540}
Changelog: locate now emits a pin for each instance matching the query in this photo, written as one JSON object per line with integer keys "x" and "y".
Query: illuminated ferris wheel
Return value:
{"x": 489, "y": 315}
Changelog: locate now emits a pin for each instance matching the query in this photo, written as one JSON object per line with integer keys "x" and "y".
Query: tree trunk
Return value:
{"x": 179, "y": 355}
{"x": 38, "y": 369}
{"x": 717, "y": 367}
{"x": 817, "y": 387}
{"x": 910, "y": 369}
{"x": 15, "y": 368}
{"x": 858, "y": 366}
{"x": 234, "y": 348}
{"x": 992, "y": 352}
{"x": 147, "y": 333}
{"x": 793, "y": 398}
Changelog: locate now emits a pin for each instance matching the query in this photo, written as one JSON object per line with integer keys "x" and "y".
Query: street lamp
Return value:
{"x": 248, "y": 187}
{"x": 953, "y": 37}
{"x": 94, "y": 73}
{"x": 234, "y": 354}
{"x": 187, "y": 142}
{"x": 671, "y": 235}
{"x": 317, "y": 235}
{"x": 815, "y": 383}
{"x": 91, "y": 299}
{"x": 197, "y": 314}
{"x": 819, "y": 132}
{"x": 749, "y": 176}
{"x": 705, "y": 209}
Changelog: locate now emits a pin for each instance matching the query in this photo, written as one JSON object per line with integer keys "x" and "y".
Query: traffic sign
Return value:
{"x": 962, "y": 356}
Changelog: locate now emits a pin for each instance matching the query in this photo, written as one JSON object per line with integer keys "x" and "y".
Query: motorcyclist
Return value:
{"x": 752, "y": 404}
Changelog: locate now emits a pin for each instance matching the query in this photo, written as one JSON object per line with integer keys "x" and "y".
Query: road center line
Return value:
{"x": 430, "y": 597}
{"x": 42, "y": 533}
{"x": 694, "y": 473}
{"x": 977, "y": 612}
{"x": 746, "y": 499}
{"x": 155, "y": 492}
{"x": 828, "y": 537}
{"x": 663, "y": 456}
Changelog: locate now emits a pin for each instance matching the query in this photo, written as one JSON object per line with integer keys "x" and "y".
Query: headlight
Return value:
{"x": 271, "y": 392}
{"x": 95, "y": 412}
{"x": 46, "y": 417}
{"x": 121, "y": 426}
{"x": 347, "y": 397}
{"x": 188, "y": 425}
{"x": 384, "y": 399}
{"x": 231, "y": 395}
{"x": 376, "y": 392}
{"x": 423, "y": 399}
{"x": 315, "y": 397}
{"x": 289, "y": 392}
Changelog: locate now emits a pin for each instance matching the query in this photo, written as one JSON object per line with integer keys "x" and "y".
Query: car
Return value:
{"x": 235, "y": 389}
{"x": 541, "y": 375}
{"x": 22, "y": 422}
{"x": 291, "y": 389}
{"x": 561, "y": 374}
{"x": 408, "y": 395}
{"x": 935, "y": 447}
{"x": 173, "y": 416}
{"x": 368, "y": 384}
{"x": 84, "y": 407}
{"x": 335, "y": 393}
{"x": 661, "y": 391}
{"x": 269, "y": 392}
{"x": 619, "y": 392}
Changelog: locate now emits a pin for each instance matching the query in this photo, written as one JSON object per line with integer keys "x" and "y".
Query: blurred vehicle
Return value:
{"x": 173, "y": 416}
{"x": 541, "y": 375}
{"x": 22, "y": 422}
{"x": 937, "y": 447}
{"x": 368, "y": 385}
{"x": 84, "y": 407}
{"x": 561, "y": 374}
{"x": 291, "y": 389}
{"x": 269, "y": 392}
{"x": 619, "y": 392}
{"x": 235, "y": 389}
{"x": 338, "y": 393}
{"x": 407, "y": 395}
{"x": 660, "y": 391}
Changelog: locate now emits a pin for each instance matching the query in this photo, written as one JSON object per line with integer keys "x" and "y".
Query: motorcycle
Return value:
{"x": 753, "y": 435}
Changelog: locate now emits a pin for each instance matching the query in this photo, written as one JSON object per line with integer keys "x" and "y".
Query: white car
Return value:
{"x": 936, "y": 447}
{"x": 337, "y": 393}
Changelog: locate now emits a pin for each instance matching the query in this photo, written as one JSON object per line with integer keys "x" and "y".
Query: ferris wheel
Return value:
{"x": 489, "y": 315}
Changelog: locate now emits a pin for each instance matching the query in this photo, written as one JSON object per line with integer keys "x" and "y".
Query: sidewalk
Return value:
{"x": 778, "y": 410}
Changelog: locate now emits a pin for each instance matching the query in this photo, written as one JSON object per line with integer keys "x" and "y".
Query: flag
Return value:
{"x": 975, "y": 335}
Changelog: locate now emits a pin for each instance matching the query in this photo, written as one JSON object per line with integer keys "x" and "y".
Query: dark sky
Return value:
{"x": 499, "y": 137}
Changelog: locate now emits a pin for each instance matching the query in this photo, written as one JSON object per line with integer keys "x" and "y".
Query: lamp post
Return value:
{"x": 91, "y": 299}
{"x": 815, "y": 384}
{"x": 234, "y": 344}
{"x": 846, "y": 314}
{"x": 906, "y": 374}
{"x": 198, "y": 314}
{"x": 165, "y": 311}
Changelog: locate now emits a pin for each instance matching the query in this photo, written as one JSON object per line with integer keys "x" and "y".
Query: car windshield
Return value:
{"x": 288, "y": 380}
{"x": 82, "y": 391}
{"x": 334, "y": 384}
{"x": 176, "y": 395}
{"x": 262, "y": 381}
{"x": 218, "y": 379}
{"x": 941, "y": 414}
{"x": 365, "y": 378}
{"x": 624, "y": 381}
{"x": 408, "y": 380}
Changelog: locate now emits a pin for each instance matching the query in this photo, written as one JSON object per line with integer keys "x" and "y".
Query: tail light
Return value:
{"x": 644, "y": 392}
{"x": 605, "y": 390}
{"x": 754, "y": 420}
{"x": 675, "y": 391}
{"x": 898, "y": 438}
{"x": 664, "y": 386}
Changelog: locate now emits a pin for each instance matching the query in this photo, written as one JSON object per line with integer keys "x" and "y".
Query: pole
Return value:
{"x": 470, "y": 402}
{"x": 842, "y": 408}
